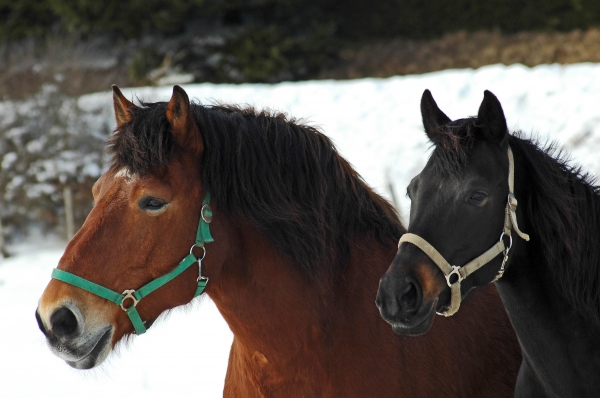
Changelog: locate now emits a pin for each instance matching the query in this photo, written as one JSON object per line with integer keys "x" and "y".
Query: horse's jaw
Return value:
{"x": 85, "y": 352}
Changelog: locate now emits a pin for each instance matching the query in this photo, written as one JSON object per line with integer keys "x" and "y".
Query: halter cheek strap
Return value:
{"x": 202, "y": 236}
{"x": 455, "y": 275}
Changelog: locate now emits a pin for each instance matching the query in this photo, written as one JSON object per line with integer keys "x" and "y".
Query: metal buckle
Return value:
{"x": 206, "y": 213}
{"x": 455, "y": 271}
{"x": 128, "y": 295}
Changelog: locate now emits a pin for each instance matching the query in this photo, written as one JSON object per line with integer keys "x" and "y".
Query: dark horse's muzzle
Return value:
{"x": 400, "y": 297}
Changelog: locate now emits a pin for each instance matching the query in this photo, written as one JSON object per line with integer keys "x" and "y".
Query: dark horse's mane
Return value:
{"x": 285, "y": 177}
{"x": 563, "y": 211}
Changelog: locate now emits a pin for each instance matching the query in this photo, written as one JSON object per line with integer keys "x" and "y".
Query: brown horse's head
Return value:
{"x": 142, "y": 225}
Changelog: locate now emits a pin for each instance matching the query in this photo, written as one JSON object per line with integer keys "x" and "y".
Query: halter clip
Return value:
{"x": 455, "y": 271}
{"x": 128, "y": 295}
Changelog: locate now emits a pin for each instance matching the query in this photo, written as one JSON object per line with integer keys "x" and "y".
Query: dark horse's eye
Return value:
{"x": 150, "y": 203}
{"x": 478, "y": 197}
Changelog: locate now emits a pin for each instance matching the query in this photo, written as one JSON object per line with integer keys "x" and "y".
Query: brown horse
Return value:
{"x": 300, "y": 242}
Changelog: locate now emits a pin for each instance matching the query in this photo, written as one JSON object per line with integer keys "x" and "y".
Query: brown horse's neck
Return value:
{"x": 287, "y": 328}
{"x": 298, "y": 338}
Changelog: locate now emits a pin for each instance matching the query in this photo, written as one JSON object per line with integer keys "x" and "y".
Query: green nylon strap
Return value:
{"x": 201, "y": 285}
{"x": 202, "y": 236}
{"x": 136, "y": 320}
{"x": 163, "y": 280}
{"x": 87, "y": 285}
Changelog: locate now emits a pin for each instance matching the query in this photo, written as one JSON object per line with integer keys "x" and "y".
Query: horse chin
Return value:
{"x": 89, "y": 353}
{"x": 422, "y": 322}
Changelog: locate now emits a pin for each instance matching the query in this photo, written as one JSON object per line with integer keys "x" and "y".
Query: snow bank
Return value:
{"x": 376, "y": 123}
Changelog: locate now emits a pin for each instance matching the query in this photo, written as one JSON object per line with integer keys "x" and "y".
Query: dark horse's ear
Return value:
{"x": 122, "y": 106}
{"x": 491, "y": 118}
{"x": 183, "y": 126}
{"x": 433, "y": 117}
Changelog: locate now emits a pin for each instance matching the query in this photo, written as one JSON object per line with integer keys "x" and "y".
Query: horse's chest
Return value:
{"x": 257, "y": 374}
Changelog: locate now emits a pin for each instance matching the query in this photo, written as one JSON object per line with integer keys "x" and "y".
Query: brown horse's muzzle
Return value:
{"x": 79, "y": 345}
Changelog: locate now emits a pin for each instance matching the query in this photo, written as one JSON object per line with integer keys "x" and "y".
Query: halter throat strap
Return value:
{"x": 454, "y": 274}
{"x": 202, "y": 236}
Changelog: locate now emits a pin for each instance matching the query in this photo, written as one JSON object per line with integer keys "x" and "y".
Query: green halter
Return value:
{"x": 202, "y": 236}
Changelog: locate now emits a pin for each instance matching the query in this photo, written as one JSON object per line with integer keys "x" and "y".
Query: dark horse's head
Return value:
{"x": 458, "y": 207}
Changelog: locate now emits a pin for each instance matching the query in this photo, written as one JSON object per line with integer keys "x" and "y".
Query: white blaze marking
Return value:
{"x": 124, "y": 172}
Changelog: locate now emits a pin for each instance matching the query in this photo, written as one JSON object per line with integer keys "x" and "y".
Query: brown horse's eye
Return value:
{"x": 151, "y": 204}
{"x": 478, "y": 197}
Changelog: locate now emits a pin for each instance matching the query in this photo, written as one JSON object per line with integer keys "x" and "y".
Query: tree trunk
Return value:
{"x": 392, "y": 190}
{"x": 70, "y": 225}
{"x": 3, "y": 251}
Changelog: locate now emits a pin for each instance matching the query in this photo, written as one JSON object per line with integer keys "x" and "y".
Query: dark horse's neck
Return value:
{"x": 550, "y": 289}
{"x": 293, "y": 337}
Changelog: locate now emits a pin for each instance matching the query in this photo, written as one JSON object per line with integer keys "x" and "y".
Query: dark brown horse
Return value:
{"x": 300, "y": 242}
{"x": 500, "y": 208}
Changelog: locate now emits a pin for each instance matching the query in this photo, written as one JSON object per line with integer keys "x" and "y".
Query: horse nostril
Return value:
{"x": 409, "y": 299}
{"x": 64, "y": 323}
{"x": 386, "y": 301}
{"x": 39, "y": 322}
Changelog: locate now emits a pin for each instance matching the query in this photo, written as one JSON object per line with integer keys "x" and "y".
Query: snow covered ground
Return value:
{"x": 375, "y": 123}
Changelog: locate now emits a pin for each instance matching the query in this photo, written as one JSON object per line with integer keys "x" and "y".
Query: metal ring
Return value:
{"x": 129, "y": 295}
{"x": 203, "y": 253}
{"x": 510, "y": 242}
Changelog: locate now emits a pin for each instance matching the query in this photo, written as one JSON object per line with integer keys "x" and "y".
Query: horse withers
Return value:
{"x": 493, "y": 206}
{"x": 263, "y": 215}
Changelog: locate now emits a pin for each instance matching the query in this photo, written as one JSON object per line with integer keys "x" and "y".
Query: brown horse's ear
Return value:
{"x": 183, "y": 126}
{"x": 433, "y": 117}
{"x": 491, "y": 118}
{"x": 122, "y": 106}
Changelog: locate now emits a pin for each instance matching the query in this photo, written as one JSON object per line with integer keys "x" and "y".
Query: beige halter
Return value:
{"x": 510, "y": 222}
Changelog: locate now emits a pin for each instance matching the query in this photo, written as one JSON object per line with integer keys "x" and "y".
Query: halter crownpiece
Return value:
{"x": 202, "y": 236}
{"x": 460, "y": 273}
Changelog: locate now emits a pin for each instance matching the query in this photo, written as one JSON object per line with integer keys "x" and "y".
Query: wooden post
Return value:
{"x": 69, "y": 219}
{"x": 3, "y": 251}
{"x": 390, "y": 187}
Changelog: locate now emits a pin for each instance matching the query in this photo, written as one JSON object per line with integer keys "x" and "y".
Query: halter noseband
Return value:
{"x": 202, "y": 236}
{"x": 452, "y": 272}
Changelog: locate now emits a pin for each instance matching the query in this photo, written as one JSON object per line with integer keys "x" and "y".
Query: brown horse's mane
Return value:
{"x": 563, "y": 211}
{"x": 287, "y": 178}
